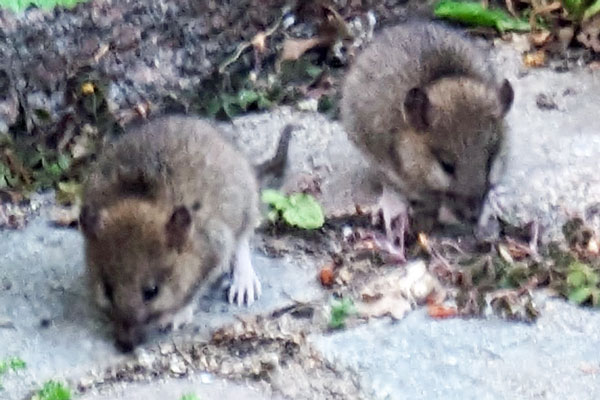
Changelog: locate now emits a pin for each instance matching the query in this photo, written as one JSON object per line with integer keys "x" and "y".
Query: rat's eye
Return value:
{"x": 108, "y": 290}
{"x": 448, "y": 166}
{"x": 150, "y": 292}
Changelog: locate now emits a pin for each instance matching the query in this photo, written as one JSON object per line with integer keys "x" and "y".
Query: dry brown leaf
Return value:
{"x": 590, "y": 33}
{"x": 65, "y": 216}
{"x": 540, "y": 38}
{"x": 293, "y": 49}
{"x": 326, "y": 276}
{"x": 535, "y": 59}
{"x": 397, "y": 292}
{"x": 439, "y": 311}
{"x": 259, "y": 42}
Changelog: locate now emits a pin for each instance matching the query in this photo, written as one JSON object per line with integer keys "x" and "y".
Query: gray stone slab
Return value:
{"x": 422, "y": 358}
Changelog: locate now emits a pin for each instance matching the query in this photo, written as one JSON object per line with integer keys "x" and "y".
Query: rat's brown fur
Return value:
{"x": 424, "y": 104}
{"x": 166, "y": 204}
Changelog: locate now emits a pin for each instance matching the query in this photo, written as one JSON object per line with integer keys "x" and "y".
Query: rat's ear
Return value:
{"x": 178, "y": 227}
{"x": 90, "y": 221}
{"x": 416, "y": 106}
{"x": 506, "y": 95}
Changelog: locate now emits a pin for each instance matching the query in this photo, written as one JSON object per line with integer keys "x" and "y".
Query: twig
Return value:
{"x": 244, "y": 45}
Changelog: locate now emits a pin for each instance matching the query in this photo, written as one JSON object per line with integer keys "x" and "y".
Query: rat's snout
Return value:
{"x": 128, "y": 335}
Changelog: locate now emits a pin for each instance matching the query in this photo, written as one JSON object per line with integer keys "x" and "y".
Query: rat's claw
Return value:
{"x": 245, "y": 283}
{"x": 245, "y": 288}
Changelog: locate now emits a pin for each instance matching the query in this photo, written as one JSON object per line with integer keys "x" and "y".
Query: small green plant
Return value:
{"x": 473, "y": 13}
{"x": 227, "y": 106}
{"x": 189, "y": 396}
{"x": 21, "y": 5}
{"x": 340, "y": 311}
{"x": 299, "y": 209}
{"x": 53, "y": 390}
{"x": 582, "y": 284}
{"x": 12, "y": 364}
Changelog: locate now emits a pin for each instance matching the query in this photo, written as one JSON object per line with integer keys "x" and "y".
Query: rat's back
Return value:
{"x": 401, "y": 57}
{"x": 177, "y": 160}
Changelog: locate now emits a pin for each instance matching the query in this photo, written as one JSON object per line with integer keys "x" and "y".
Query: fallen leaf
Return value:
{"x": 398, "y": 291}
{"x": 593, "y": 247}
{"x": 440, "y": 311}
{"x": 259, "y": 42}
{"x": 505, "y": 254}
{"x": 590, "y": 33}
{"x": 540, "y": 38}
{"x": 65, "y": 216}
{"x": 293, "y": 49}
{"x": 326, "y": 276}
{"x": 87, "y": 88}
{"x": 535, "y": 59}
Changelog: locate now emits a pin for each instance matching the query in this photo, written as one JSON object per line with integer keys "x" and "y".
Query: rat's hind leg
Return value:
{"x": 245, "y": 283}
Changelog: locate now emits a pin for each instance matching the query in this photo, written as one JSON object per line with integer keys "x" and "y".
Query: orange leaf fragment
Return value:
{"x": 326, "y": 276}
{"x": 439, "y": 311}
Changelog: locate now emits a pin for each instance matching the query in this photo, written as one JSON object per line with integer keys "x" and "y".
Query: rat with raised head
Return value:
{"x": 167, "y": 204}
{"x": 425, "y": 105}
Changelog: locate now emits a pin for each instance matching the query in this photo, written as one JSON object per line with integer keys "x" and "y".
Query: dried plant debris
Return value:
{"x": 271, "y": 350}
{"x": 459, "y": 276}
{"x": 398, "y": 291}
{"x": 552, "y": 25}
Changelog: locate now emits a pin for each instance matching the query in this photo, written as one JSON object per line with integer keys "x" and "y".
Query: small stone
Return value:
{"x": 177, "y": 366}
{"x": 545, "y": 102}
{"x": 206, "y": 378}
{"x": 226, "y": 369}
{"x": 166, "y": 348}
{"x": 86, "y": 382}
{"x": 146, "y": 359}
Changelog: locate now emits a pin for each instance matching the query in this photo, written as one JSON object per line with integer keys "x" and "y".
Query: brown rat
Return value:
{"x": 423, "y": 102}
{"x": 167, "y": 204}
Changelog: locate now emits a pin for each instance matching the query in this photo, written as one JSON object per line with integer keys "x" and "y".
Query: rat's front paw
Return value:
{"x": 245, "y": 287}
{"x": 176, "y": 321}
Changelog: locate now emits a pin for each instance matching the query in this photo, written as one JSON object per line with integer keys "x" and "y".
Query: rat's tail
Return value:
{"x": 276, "y": 165}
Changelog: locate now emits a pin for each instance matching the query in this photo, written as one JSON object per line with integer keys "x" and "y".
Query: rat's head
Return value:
{"x": 143, "y": 260}
{"x": 460, "y": 121}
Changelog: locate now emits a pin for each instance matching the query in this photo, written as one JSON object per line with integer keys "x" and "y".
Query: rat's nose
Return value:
{"x": 128, "y": 336}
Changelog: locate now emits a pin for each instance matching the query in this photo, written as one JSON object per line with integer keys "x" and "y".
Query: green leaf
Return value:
{"x": 230, "y": 106}
{"x": 576, "y": 279}
{"x": 592, "y": 10}
{"x": 53, "y": 390}
{"x": 69, "y": 192}
{"x": 580, "y": 295}
{"x": 340, "y": 311}
{"x": 246, "y": 98}
{"x": 473, "y": 13}
{"x": 263, "y": 102}
{"x": 304, "y": 212}
{"x": 578, "y": 269}
{"x": 275, "y": 199}
{"x": 574, "y": 7}
{"x": 42, "y": 114}
{"x": 189, "y": 396}
{"x": 313, "y": 71}
{"x": 16, "y": 364}
{"x": 54, "y": 170}
{"x": 213, "y": 106}
{"x": 63, "y": 161}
